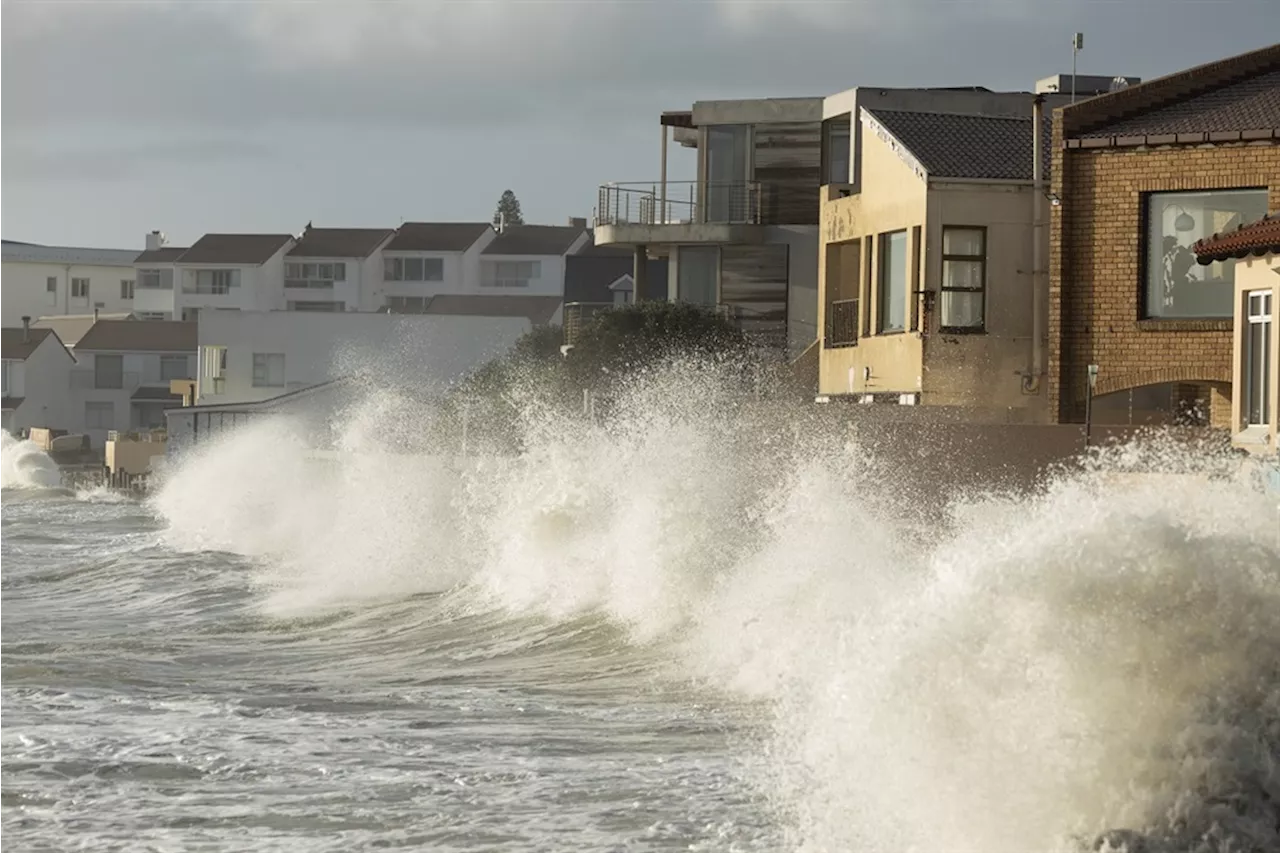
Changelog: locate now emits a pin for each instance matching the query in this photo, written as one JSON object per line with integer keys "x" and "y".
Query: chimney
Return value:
{"x": 156, "y": 240}
{"x": 26, "y": 329}
{"x": 577, "y": 222}
{"x": 95, "y": 313}
{"x": 502, "y": 222}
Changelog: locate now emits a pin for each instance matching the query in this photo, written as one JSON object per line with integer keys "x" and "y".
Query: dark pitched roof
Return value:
{"x": 234, "y": 248}
{"x": 163, "y": 255}
{"x": 1258, "y": 238}
{"x": 70, "y": 328}
{"x": 534, "y": 240}
{"x": 1249, "y": 104}
{"x": 539, "y": 309}
{"x": 1225, "y": 97}
{"x": 951, "y": 145}
{"x": 436, "y": 236}
{"x": 140, "y": 336}
{"x": 18, "y": 344}
{"x": 587, "y": 277}
{"x": 11, "y": 402}
{"x": 340, "y": 242}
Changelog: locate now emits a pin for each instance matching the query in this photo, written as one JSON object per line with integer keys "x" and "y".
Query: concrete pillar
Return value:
{"x": 640, "y": 273}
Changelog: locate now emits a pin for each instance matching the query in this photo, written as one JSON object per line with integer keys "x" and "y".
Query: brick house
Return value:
{"x": 1139, "y": 176}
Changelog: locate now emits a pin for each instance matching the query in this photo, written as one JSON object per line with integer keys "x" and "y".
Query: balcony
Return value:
{"x": 86, "y": 380}
{"x": 698, "y": 212}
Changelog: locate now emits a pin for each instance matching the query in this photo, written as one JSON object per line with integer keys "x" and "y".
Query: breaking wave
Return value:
{"x": 1092, "y": 663}
{"x": 23, "y": 465}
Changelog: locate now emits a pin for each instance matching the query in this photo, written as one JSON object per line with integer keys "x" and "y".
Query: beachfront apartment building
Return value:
{"x": 742, "y": 236}
{"x": 124, "y": 373}
{"x": 427, "y": 259}
{"x": 1141, "y": 175}
{"x": 36, "y": 375}
{"x": 49, "y": 280}
{"x": 245, "y": 272}
{"x": 933, "y": 242}
{"x": 335, "y": 269}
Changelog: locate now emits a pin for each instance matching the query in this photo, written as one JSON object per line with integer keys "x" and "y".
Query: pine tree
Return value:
{"x": 508, "y": 206}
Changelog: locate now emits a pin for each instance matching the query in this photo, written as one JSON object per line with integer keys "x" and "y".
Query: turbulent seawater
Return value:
{"x": 677, "y": 630}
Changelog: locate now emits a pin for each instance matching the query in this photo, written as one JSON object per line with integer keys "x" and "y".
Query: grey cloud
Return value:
{"x": 111, "y": 163}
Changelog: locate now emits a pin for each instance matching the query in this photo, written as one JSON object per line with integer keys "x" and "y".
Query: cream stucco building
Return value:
{"x": 931, "y": 287}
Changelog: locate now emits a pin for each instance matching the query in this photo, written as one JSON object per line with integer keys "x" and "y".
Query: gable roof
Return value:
{"x": 234, "y": 248}
{"x": 340, "y": 242}
{"x": 538, "y": 309}
{"x": 1257, "y": 238}
{"x": 163, "y": 255}
{"x": 436, "y": 236}
{"x": 34, "y": 253}
{"x": 1229, "y": 99}
{"x": 534, "y": 240}
{"x": 952, "y": 145}
{"x": 17, "y": 344}
{"x": 140, "y": 336}
{"x": 70, "y": 328}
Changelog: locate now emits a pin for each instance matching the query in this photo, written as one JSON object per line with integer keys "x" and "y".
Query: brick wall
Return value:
{"x": 1095, "y": 257}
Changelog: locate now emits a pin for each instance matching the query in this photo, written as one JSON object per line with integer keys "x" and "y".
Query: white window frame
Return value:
{"x": 170, "y": 361}
{"x": 511, "y": 274}
{"x": 320, "y": 275}
{"x": 262, "y": 362}
{"x": 80, "y": 288}
{"x": 1259, "y": 309}
{"x": 397, "y": 269}
{"x": 126, "y": 288}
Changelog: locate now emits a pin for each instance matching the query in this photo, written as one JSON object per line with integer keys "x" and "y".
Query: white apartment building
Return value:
{"x": 335, "y": 269}
{"x": 46, "y": 280}
{"x": 249, "y": 356}
{"x": 241, "y": 271}
{"x": 123, "y": 375}
{"x": 427, "y": 259}
{"x": 37, "y": 369}
{"x": 528, "y": 260}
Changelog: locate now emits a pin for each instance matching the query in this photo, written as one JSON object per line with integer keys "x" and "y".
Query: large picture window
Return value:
{"x": 964, "y": 278}
{"x": 1176, "y": 285}
{"x": 893, "y": 282}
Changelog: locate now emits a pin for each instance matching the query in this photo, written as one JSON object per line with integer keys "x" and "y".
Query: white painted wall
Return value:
{"x": 406, "y": 348}
{"x": 151, "y": 300}
{"x": 459, "y": 277}
{"x": 42, "y": 381}
{"x": 25, "y": 289}
{"x": 550, "y": 283}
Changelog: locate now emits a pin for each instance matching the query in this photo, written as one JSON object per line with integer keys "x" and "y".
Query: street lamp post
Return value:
{"x": 1088, "y": 403}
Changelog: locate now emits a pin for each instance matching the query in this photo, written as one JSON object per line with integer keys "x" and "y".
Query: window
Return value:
{"x": 836, "y": 144}
{"x": 698, "y": 274}
{"x": 413, "y": 269}
{"x": 213, "y": 362}
{"x": 314, "y": 275}
{"x": 173, "y": 367}
{"x": 844, "y": 269}
{"x": 407, "y": 304}
{"x": 510, "y": 273}
{"x": 5, "y": 379}
{"x": 79, "y": 288}
{"x": 1176, "y": 285}
{"x": 964, "y": 278}
{"x": 214, "y": 281}
{"x": 99, "y": 415}
{"x": 190, "y": 315}
{"x": 1257, "y": 357}
{"x": 893, "y": 282}
{"x": 152, "y": 315}
{"x": 108, "y": 371}
{"x": 51, "y": 288}
{"x": 268, "y": 370}
{"x": 126, "y": 288}
{"x": 153, "y": 280}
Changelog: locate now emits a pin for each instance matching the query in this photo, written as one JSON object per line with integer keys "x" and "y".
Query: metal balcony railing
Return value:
{"x": 679, "y": 202}
{"x": 742, "y": 202}
{"x": 842, "y": 323}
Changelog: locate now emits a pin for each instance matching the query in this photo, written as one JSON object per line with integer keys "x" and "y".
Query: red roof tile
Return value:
{"x": 1258, "y": 238}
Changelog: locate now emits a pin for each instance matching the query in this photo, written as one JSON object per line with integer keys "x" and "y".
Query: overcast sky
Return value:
{"x": 121, "y": 117}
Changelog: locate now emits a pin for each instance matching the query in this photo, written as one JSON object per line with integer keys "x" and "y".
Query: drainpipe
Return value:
{"x": 1035, "y": 355}
{"x": 26, "y": 329}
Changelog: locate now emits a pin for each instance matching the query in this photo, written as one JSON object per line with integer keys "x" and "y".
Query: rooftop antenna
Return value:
{"x": 1077, "y": 45}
